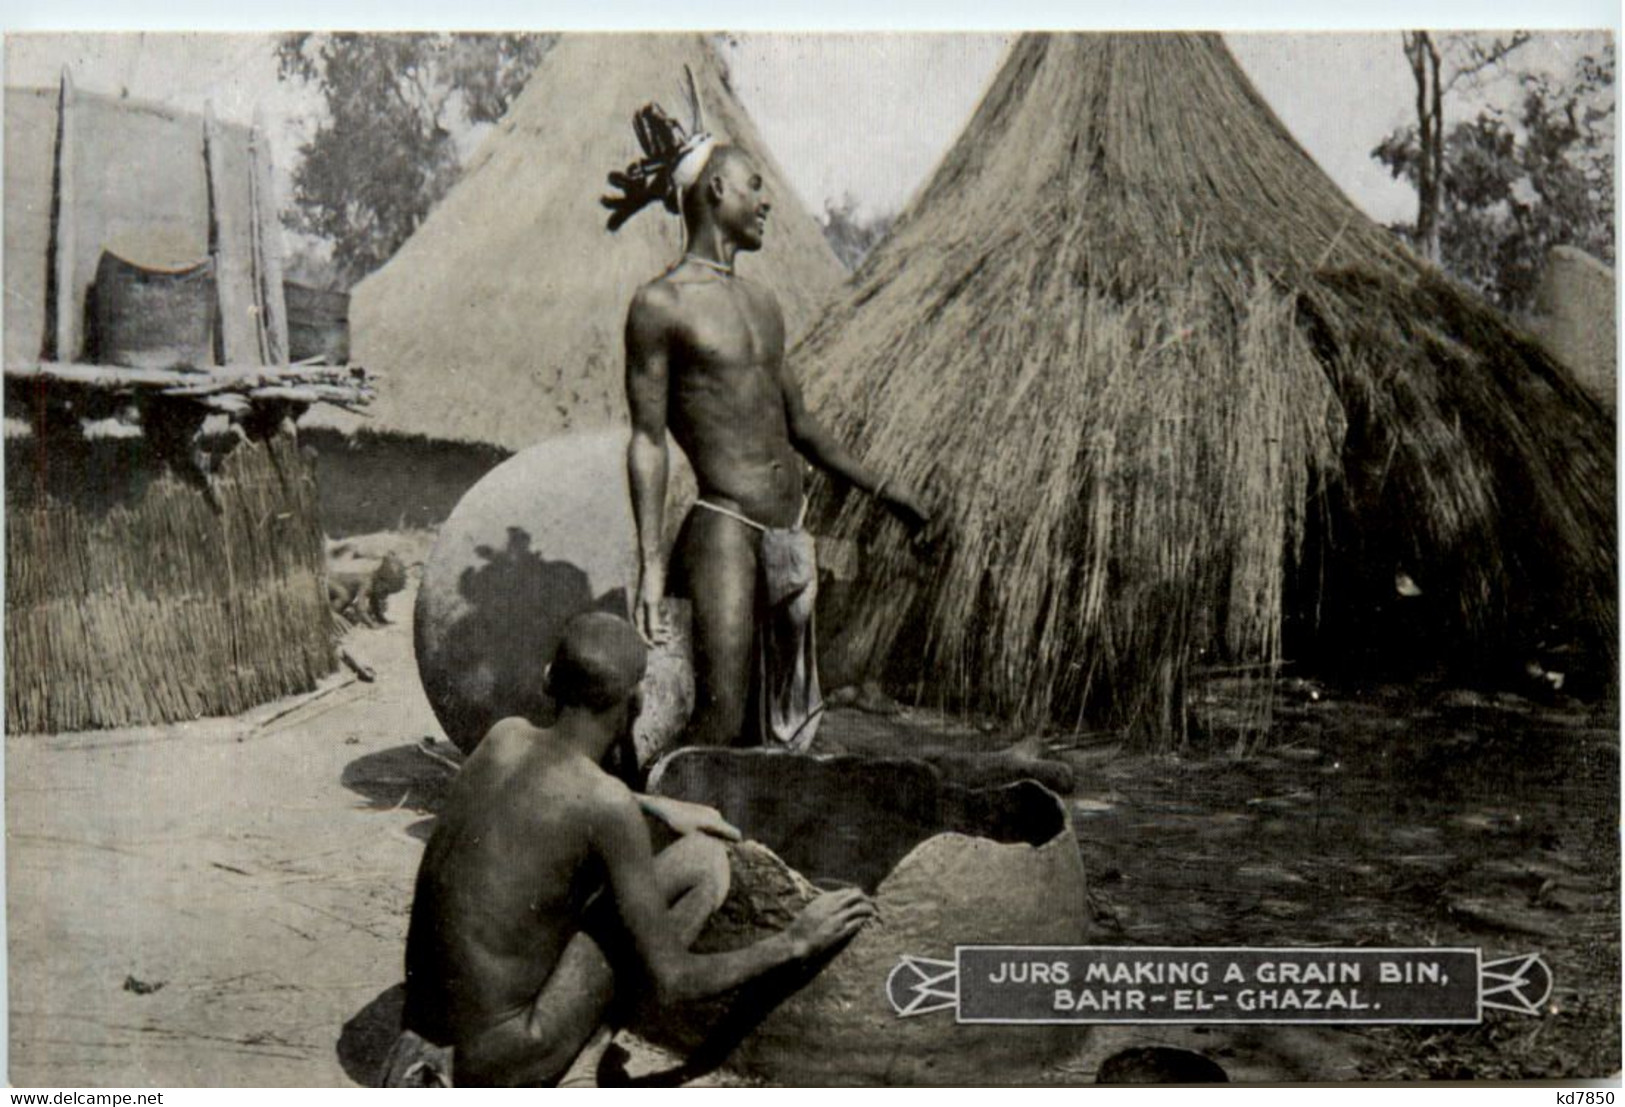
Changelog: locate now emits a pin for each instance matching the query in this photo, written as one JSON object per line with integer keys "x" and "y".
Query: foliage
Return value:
{"x": 1518, "y": 180}
{"x": 850, "y": 234}
{"x": 311, "y": 265}
{"x": 387, "y": 149}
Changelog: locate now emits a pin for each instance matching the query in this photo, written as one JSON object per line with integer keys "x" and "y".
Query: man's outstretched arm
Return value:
{"x": 622, "y": 840}
{"x": 815, "y": 442}
{"x": 682, "y": 817}
{"x": 647, "y": 462}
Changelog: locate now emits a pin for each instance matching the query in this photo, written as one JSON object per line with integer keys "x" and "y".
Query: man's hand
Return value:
{"x": 830, "y": 919}
{"x": 651, "y": 620}
{"x": 928, "y": 530}
{"x": 690, "y": 818}
{"x": 906, "y": 505}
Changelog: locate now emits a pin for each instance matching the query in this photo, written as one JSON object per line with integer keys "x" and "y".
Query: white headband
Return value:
{"x": 691, "y": 163}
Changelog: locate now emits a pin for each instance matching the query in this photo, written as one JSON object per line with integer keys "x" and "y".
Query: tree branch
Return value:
{"x": 1480, "y": 57}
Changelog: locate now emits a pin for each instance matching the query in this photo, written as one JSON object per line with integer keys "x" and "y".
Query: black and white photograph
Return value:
{"x": 657, "y": 558}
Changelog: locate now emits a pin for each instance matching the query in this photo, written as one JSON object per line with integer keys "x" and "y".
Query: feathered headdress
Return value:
{"x": 673, "y": 158}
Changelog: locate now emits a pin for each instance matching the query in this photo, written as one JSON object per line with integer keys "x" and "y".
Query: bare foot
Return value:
{"x": 612, "y": 1068}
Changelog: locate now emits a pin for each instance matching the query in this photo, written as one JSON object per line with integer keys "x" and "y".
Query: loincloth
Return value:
{"x": 416, "y": 1062}
{"x": 789, "y": 703}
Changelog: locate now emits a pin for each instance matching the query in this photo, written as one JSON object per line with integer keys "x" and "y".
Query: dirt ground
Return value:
{"x": 225, "y": 902}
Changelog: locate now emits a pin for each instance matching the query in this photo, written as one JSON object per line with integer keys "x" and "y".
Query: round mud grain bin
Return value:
{"x": 946, "y": 866}
{"x": 543, "y": 537}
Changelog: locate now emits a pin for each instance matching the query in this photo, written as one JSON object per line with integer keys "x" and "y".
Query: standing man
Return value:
{"x": 705, "y": 360}
{"x": 539, "y": 862}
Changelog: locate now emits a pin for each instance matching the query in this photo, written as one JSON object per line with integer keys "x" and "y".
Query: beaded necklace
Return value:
{"x": 725, "y": 270}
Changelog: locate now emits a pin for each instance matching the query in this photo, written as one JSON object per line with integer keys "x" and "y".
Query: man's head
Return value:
{"x": 598, "y": 666}
{"x": 730, "y": 194}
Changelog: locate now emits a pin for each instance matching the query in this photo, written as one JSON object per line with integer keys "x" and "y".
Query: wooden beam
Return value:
{"x": 239, "y": 340}
{"x": 268, "y": 246}
{"x": 69, "y": 311}
{"x": 224, "y": 375}
{"x": 307, "y": 384}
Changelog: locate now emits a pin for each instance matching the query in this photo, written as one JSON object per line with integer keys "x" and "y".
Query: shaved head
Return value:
{"x": 725, "y": 154}
{"x": 599, "y": 663}
{"x": 732, "y": 165}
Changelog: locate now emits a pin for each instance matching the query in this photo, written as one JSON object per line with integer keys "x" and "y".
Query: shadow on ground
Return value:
{"x": 412, "y": 777}
{"x": 367, "y": 1037}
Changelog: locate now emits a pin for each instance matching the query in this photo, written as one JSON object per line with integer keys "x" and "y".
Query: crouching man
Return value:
{"x": 539, "y": 862}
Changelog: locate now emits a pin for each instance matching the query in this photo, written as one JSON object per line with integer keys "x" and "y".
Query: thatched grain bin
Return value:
{"x": 163, "y": 557}
{"x": 500, "y": 322}
{"x": 544, "y": 536}
{"x": 1181, "y": 399}
{"x": 945, "y": 866}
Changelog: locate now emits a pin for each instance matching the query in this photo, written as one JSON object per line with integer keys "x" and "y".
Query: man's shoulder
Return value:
{"x": 605, "y": 805}
{"x": 761, "y": 295}
{"x": 756, "y": 287}
{"x": 661, "y": 296}
{"x": 576, "y": 777}
{"x": 605, "y": 793}
{"x": 510, "y": 729}
{"x": 512, "y": 762}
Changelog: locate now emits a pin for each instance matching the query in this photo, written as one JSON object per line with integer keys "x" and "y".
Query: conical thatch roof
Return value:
{"x": 1180, "y": 393}
{"x": 501, "y": 319}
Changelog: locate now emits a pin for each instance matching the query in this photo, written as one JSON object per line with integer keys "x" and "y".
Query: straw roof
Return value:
{"x": 500, "y": 321}
{"x": 1177, "y": 391}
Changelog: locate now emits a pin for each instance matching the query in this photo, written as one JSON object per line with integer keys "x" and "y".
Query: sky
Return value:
{"x": 865, "y": 116}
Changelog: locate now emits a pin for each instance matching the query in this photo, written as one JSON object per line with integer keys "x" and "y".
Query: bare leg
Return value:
{"x": 694, "y": 875}
{"x": 537, "y": 1046}
{"x": 719, "y": 576}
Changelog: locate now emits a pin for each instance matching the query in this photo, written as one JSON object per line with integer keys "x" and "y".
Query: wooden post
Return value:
{"x": 234, "y": 276}
{"x": 267, "y": 246}
{"x": 211, "y": 183}
{"x": 69, "y": 311}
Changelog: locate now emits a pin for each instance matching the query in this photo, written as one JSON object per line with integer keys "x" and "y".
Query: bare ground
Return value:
{"x": 225, "y": 902}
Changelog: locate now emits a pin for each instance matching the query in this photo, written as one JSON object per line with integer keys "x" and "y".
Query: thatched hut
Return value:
{"x": 163, "y": 557}
{"x": 1187, "y": 405}
{"x": 500, "y": 322}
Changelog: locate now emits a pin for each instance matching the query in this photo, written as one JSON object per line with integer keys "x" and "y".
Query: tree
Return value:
{"x": 387, "y": 149}
{"x": 849, "y": 234}
{"x": 1470, "y": 56}
{"x": 1506, "y": 185}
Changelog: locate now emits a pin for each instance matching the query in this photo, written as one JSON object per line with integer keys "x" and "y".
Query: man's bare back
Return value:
{"x": 511, "y": 838}
{"x": 505, "y": 960}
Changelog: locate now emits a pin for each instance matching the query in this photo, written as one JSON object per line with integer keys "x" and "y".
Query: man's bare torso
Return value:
{"x": 503, "y": 885}
{"x": 726, "y": 404}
